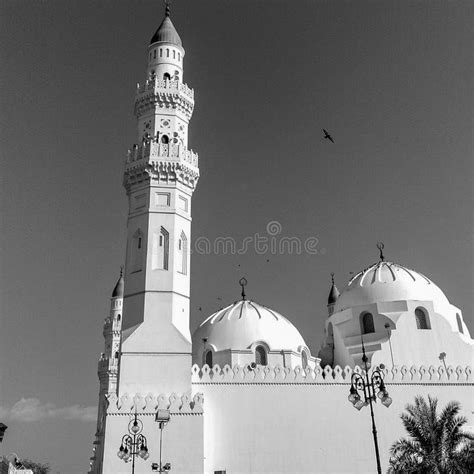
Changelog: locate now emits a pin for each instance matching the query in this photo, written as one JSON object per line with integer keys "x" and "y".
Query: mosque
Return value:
{"x": 244, "y": 394}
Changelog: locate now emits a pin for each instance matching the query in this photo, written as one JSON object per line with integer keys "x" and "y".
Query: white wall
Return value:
{"x": 286, "y": 425}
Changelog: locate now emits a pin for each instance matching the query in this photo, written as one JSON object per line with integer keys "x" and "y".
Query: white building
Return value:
{"x": 256, "y": 400}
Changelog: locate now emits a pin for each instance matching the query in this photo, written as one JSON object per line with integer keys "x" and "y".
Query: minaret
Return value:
{"x": 333, "y": 296}
{"x": 160, "y": 176}
{"x": 108, "y": 367}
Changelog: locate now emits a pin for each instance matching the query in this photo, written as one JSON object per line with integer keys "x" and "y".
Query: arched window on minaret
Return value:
{"x": 367, "y": 323}
{"x": 166, "y": 76}
{"x": 165, "y": 139}
{"x": 183, "y": 254}
{"x": 160, "y": 250}
{"x": 137, "y": 251}
{"x": 458, "y": 320}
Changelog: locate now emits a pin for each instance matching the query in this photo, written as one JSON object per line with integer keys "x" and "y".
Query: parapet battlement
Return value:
{"x": 149, "y": 404}
{"x": 327, "y": 376}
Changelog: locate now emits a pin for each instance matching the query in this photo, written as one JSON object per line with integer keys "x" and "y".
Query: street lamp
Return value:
{"x": 371, "y": 389}
{"x": 162, "y": 418}
{"x": 134, "y": 443}
{"x": 389, "y": 332}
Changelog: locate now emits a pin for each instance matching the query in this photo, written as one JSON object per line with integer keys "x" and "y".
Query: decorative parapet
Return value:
{"x": 326, "y": 376}
{"x": 177, "y": 405}
{"x": 164, "y": 93}
{"x": 165, "y": 163}
{"x": 156, "y": 86}
{"x": 155, "y": 151}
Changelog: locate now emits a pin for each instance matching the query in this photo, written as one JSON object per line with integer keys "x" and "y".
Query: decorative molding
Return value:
{"x": 327, "y": 376}
{"x": 177, "y": 405}
{"x": 164, "y": 94}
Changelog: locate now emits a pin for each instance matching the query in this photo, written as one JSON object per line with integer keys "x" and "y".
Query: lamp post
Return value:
{"x": 162, "y": 418}
{"x": 133, "y": 444}
{"x": 389, "y": 332}
{"x": 371, "y": 388}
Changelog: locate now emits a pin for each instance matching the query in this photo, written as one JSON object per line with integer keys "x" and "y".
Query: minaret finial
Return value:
{"x": 243, "y": 284}
{"x": 121, "y": 270}
{"x": 332, "y": 278}
{"x": 380, "y": 246}
{"x": 167, "y": 7}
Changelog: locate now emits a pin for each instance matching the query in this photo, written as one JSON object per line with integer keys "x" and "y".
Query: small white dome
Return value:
{"x": 246, "y": 322}
{"x": 386, "y": 281}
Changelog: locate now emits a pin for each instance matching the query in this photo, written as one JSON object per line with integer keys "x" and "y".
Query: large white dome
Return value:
{"x": 386, "y": 281}
{"x": 244, "y": 323}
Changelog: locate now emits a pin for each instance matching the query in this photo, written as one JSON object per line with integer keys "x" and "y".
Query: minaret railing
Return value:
{"x": 153, "y": 150}
{"x": 165, "y": 85}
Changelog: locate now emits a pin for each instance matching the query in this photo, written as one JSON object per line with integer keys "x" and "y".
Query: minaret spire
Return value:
{"x": 333, "y": 296}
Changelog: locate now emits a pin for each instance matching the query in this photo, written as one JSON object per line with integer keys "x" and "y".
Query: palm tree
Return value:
{"x": 437, "y": 444}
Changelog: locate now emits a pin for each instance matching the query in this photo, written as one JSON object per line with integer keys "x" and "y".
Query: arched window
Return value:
{"x": 137, "y": 251}
{"x": 160, "y": 250}
{"x": 174, "y": 54}
{"x": 179, "y": 56}
{"x": 208, "y": 358}
{"x": 183, "y": 254}
{"x": 458, "y": 320}
{"x": 367, "y": 323}
{"x": 118, "y": 317}
{"x": 167, "y": 53}
{"x": 166, "y": 76}
{"x": 161, "y": 52}
{"x": 164, "y": 139}
{"x": 422, "y": 319}
{"x": 260, "y": 355}
{"x": 154, "y": 54}
{"x": 304, "y": 359}
{"x": 116, "y": 355}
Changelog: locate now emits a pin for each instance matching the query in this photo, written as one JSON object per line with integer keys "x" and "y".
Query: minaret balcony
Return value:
{"x": 164, "y": 86}
{"x": 164, "y": 94}
{"x": 154, "y": 151}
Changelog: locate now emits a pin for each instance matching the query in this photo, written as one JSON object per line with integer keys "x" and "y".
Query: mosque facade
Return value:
{"x": 244, "y": 393}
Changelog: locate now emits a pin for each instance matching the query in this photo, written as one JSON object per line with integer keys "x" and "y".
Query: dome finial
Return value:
{"x": 380, "y": 246}
{"x": 332, "y": 278}
{"x": 121, "y": 270}
{"x": 243, "y": 284}
{"x": 167, "y": 7}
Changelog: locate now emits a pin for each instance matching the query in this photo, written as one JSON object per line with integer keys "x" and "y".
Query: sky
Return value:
{"x": 391, "y": 81}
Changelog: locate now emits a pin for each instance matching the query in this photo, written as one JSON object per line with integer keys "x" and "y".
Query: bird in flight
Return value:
{"x": 326, "y": 135}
